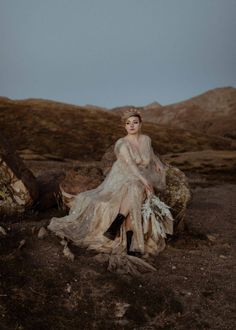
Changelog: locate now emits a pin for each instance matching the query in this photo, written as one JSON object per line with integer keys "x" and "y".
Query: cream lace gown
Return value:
{"x": 94, "y": 210}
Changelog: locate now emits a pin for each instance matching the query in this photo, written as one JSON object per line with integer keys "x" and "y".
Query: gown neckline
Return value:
{"x": 134, "y": 147}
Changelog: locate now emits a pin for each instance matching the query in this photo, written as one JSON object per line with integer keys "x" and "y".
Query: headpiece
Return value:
{"x": 131, "y": 112}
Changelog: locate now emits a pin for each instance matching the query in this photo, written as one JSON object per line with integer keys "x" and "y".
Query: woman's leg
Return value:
{"x": 137, "y": 195}
{"x": 124, "y": 211}
{"x": 125, "y": 208}
{"x": 130, "y": 205}
{"x": 114, "y": 228}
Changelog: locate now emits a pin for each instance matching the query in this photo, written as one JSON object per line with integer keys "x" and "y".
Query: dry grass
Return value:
{"x": 67, "y": 131}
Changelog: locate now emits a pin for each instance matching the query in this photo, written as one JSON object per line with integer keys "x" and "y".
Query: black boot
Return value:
{"x": 129, "y": 235}
{"x": 114, "y": 228}
{"x": 171, "y": 238}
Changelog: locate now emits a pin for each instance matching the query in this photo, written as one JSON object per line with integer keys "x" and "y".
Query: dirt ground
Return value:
{"x": 193, "y": 288}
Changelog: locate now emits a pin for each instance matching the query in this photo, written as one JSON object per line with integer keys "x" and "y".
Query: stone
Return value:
{"x": 77, "y": 181}
{"x": 211, "y": 238}
{"x": 177, "y": 195}
{"x": 18, "y": 186}
{"x": 3, "y": 231}
{"x": 68, "y": 254}
{"x": 42, "y": 233}
{"x": 22, "y": 243}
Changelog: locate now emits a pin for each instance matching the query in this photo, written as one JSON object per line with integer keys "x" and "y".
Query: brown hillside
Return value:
{"x": 213, "y": 112}
{"x": 68, "y": 131}
{"x": 64, "y": 130}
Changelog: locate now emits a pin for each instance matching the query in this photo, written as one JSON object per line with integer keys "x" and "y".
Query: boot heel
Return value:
{"x": 129, "y": 235}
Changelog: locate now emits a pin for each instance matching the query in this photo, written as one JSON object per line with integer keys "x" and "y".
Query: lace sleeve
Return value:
{"x": 123, "y": 153}
{"x": 155, "y": 158}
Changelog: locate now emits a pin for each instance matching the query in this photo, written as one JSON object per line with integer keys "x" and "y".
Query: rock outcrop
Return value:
{"x": 18, "y": 186}
{"x": 77, "y": 181}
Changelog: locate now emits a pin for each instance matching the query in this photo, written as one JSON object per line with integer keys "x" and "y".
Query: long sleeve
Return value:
{"x": 159, "y": 176}
{"x": 155, "y": 158}
{"x": 123, "y": 153}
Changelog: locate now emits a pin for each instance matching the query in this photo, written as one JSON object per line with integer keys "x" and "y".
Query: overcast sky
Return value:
{"x": 116, "y": 52}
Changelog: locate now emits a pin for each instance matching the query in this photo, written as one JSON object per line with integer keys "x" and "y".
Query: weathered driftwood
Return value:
{"x": 18, "y": 186}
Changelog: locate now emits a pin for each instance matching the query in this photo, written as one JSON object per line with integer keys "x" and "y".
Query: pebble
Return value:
{"x": 2, "y": 231}
{"x": 42, "y": 233}
{"x": 211, "y": 238}
{"x": 186, "y": 293}
{"x": 227, "y": 246}
{"x": 68, "y": 254}
{"x": 68, "y": 288}
{"x": 22, "y": 243}
{"x": 121, "y": 308}
{"x": 223, "y": 257}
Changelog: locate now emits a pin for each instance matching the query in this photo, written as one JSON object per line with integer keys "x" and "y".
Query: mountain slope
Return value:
{"x": 69, "y": 131}
{"x": 213, "y": 112}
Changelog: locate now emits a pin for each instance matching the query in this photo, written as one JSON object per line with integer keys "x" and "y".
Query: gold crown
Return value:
{"x": 131, "y": 112}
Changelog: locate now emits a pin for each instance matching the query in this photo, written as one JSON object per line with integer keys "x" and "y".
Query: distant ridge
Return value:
{"x": 212, "y": 112}
{"x": 54, "y": 128}
{"x": 39, "y": 102}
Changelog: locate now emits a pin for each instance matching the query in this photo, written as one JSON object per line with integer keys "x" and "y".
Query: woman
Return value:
{"x": 109, "y": 218}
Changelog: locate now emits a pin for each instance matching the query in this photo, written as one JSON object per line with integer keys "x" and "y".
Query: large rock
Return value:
{"x": 18, "y": 186}
{"x": 76, "y": 181}
{"x": 177, "y": 193}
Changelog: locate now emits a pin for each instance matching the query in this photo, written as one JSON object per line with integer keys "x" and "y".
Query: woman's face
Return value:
{"x": 133, "y": 125}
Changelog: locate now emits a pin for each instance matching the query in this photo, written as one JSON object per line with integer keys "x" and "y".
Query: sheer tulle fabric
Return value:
{"x": 93, "y": 211}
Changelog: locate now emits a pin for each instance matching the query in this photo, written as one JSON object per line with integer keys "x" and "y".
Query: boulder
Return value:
{"x": 77, "y": 181}
{"x": 176, "y": 195}
{"x": 18, "y": 186}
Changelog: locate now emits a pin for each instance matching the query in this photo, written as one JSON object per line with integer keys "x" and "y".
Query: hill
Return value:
{"x": 67, "y": 131}
{"x": 213, "y": 112}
